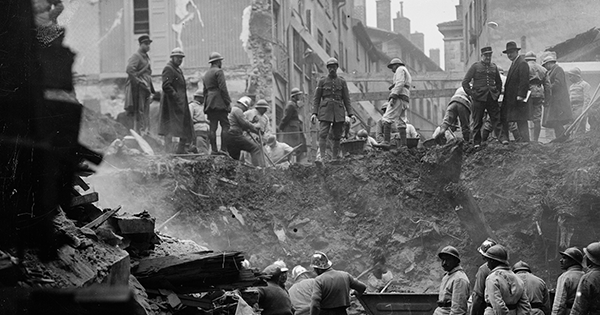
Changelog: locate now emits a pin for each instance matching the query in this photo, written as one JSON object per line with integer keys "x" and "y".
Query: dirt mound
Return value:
{"x": 98, "y": 131}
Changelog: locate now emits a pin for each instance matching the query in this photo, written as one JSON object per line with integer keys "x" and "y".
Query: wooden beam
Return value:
{"x": 378, "y": 96}
{"x": 85, "y": 199}
{"x": 387, "y": 76}
{"x": 101, "y": 219}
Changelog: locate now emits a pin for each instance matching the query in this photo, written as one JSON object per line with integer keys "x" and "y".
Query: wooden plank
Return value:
{"x": 79, "y": 182}
{"x": 101, "y": 219}
{"x": 85, "y": 199}
{"x": 378, "y": 96}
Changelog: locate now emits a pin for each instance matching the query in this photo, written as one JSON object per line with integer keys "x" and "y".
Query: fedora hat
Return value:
{"x": 511, "y": 46}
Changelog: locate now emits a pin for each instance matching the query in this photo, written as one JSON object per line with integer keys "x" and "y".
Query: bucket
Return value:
{"x": 412, "y": 142}
{"x": 353, "y": 146}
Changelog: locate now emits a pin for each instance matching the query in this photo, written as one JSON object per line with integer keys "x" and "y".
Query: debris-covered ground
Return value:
{"x": 533, "y": 197}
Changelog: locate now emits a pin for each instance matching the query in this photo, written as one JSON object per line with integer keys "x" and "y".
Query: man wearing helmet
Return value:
{"x": 200, "y": 123}
{"x": 332, "y": 108}
{"x": 566, "y": 286}
{"x": 331, "y": 294}
{"x": 237, "y": 142}
{"x": 504, "y": 291}
{"x": 587, "y": 299}
{"x": 175, "y": 118}
{"x": 218, "y": 102}
{"x": 273, "y": 299}
{"x": 478, "y": 307}
{"x": 291, "y": 125}
{"x": 535, "y": 288}
{"x": 454, "y": 289}
{"x": 301, "y": 290}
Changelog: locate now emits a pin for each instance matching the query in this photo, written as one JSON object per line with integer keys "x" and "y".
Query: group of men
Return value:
{"x": 528, "y": 92}
{"x": 196, "y": 123}
{"x": 500, "y": 290}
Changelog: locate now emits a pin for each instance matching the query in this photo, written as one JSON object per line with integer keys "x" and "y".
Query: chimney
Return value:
{"x": 359, "y": 11}
{"x": 434, "y": 54}
{"x": 384, "y": 17}
{"x": 401, "y": 23}
{"x": 419, "y": 40}
{"x": 459, "y": 12}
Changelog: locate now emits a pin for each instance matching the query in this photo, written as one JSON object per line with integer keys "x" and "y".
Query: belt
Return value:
{"x": 509, "y": 306}
{"x": 444, "y": 303}
{"x": 538, "y": 305}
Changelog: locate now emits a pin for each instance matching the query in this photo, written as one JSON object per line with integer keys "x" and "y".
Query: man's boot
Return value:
{"x": 402, "y": 133}
{"x": 322, "y": 150}
{"x": 387, "y": 133}
{"x": 335, "y": 149}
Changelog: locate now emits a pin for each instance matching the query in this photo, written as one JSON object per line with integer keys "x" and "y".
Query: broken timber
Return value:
{"x": 101, "y": 219}
{"x": 85, "y": 199}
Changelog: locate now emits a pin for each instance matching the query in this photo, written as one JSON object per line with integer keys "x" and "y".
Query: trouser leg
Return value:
{"x": 224, "y": 122}
{"x": 181, "y": 146}
{"x": 202, "y": 141}
{"x": 235, "y": 145}
{"x": 478, "y": 111}
{"x": 494, "y": 112}
{"x": 523, "y": 127}
{"x": 559, "y": 130}
{"x": 337, "y": 129}
{"x": 168, "y": 143}
{"x": 379, "y": 131}
{"x": 503, "y": 137}
{"x": 465, "y": 123}
{"x": 402, "y": 133}
{"x": 212, "y": 133}
{"x": 324, "y": 127}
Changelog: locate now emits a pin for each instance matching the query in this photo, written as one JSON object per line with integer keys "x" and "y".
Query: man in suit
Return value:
{"x": 175, "y": 118}
{"x": 291, "y": 125}
{"x": 486, "y": 89}
{"x": 218, "y": 102}
{"x": 139, "y": 88}
{"x": 514, "y": 106}
{"x": 557, "y": 112}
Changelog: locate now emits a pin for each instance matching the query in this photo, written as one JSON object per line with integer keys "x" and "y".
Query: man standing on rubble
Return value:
{"x": 579, "y": 94}
{"x": 557, "y": 111}
{"x": 139, "y": 88}
{"x": 566, "y": 286}
{"x": 397, "y": 103}
{"x": 486, "y": 88}
{"x": 504, "y": 291}
{"x": 218, "y": 102}
{"x": 332, "y": 108}
{"x": 291, "y": 125}
{"x": 331, "y": 294}
{"x": 539, "y": 86}
{"x": 175, "y": 118}
{"x": 514, "y": 106}
{"x": 478, "y": 295}
{"x": 454, "y": 289}
{"x": 535, "y": 288}
{"x": 200, "y": 123}
{"x": 272, "y": 299}
{"x": 237, "y": 141}
{"x": 587, "y": 299}
{"x": 301, "y": 290}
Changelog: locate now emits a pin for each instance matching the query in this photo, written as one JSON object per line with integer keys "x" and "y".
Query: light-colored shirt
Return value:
{"x": 402, "y": 81}
{"x": 238, "y": 122}
{"x": 579, "y": 93}
{"x": 411, "y": 132}
{"x": 566, "y": 287}
{"x": 454, "y": 289}
{"x": 198, "y": 116}
{"x": 258, "y": 120}
{"x": 279, "y": 150}
{"x": 300, "y": 295}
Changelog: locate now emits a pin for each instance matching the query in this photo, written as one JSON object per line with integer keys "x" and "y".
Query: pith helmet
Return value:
{"x": 521, "y": 266}
{"x": 262, "y": 104}
{"x": 530, "y": 55}
{"x": 272, "y": 270}
{"x": 486, "y": 245}
{"x": 320, "y": 261}
{"x": 332, "y": 61}
{"x": 395, "y": 61}
{"x": 214, "y": 56}
{"x": 449, "y": 250}
{"x": 177, "y": 52}
{"x": 548, "y": 58}
{"x": 575, "y": 71}
{"x": 574, "y": 253}
{"x": 497, "y": 253}
{"x": 362, "y": 133}
{"x": 297, "y": 271}
{"x": 295, "y": 91}
{"x": 245, "y": 100}
{"x": 592, "y": 252}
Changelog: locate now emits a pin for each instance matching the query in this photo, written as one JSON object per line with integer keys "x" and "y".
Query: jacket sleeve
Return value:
{"x": 168, "y": 75}
{"x": 317, "y": 98}
{"x": 287, "y": 117}
{"x": 467, "y": 79}
{"x": 223, "y": 87}
{"x": 492, "y": 293}
{"x": 315, "y": 303}
{"x": 346, "y": 99}
{"x": 523, "y": 306}
{"x": 547, "y": 89}
{"x": 523, "y": 79}
{"x": 399, "y": 81}
{"x": 581, "y": 305}
{"x": 560, "y": 298}
{"x": 460, "y": 295}
{"x": 498, "y": 79}
{"x": 132, "y": 67}
{"x": 357, "y": 285}
{"x": 244, "y": 123}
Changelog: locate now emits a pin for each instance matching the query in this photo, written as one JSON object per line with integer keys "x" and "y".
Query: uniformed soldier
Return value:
{"x": 478, "y": 305}
{"x": 587, "y": 299}
{"x": 332, "y": 108}
{"x": 454, "y": 289}
{"x": 397, "y": 103}
{"x": 217, "y": 102}
{"x": 504, "y": 291}
{"x": 535, "y": 288}
{"x": 566, "y": 285}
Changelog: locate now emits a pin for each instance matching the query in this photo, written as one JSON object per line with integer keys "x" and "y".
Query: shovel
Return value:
{"x": 565, "y": 136}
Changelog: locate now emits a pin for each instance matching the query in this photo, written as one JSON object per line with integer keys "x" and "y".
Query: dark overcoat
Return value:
{"x": 139, "y": 82}
{"x": 291, "y": 125}
{"x": 216, "y": 96}
{"x": 557, "y": 111}
{"x": 517, "y": 84}
{"x": 332, "y": 100}
{"x": 175, "y": 118}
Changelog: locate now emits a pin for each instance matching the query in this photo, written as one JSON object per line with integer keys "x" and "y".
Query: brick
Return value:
{"x": 135, "y": 225}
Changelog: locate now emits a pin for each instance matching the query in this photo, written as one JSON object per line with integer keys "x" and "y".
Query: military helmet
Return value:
{"x": 497, "y": 253}
{"x": 272, "y": 270}
{"x": 262, "y": 104}
{"x": 332, "y": 61}
{"x": 245, "y": 100}
{"x": 295, "y": 91}
{"x": 395, "y": 61}
{"x": 320, "y": 261}
{"x": 486, "y": 245}
{"x": 592, "y": 252}
{"x": 574, "y": 253}
{"x": 177, "y": 52}
{"x": 449, "y": 250}
{"x": 297, "y": 271}
{"x": 521, "y": 266}
{"x": 281, "y": 264}
{"x": 214, "y": 56}
{"x": 575, "y": 71}
{"x": 530, "y": 55}
{"x": 549, "y": 58}
{"x": 362, "y": 133}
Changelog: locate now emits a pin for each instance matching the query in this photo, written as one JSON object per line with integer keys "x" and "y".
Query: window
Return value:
{"x": 141, "y": 17}
{"x": 298, "y": 49}
{"x": 327, "y": 47}
{"x": 309, "y": 21}
{"x": 320, "y": 37}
